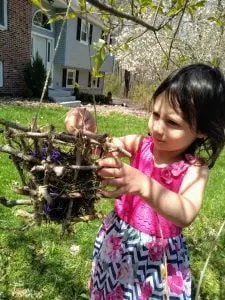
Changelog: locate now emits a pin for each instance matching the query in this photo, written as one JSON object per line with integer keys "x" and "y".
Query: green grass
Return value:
{"x": 37, "y": 263}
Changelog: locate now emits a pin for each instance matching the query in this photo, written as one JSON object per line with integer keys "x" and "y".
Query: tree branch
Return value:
{"x": 176, "y": 31}
{"x": 123, "y": 15}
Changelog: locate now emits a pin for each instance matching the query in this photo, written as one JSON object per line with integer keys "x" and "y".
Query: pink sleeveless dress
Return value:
{"x": 138, "y": 254}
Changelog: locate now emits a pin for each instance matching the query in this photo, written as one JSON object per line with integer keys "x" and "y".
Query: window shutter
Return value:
{"x": 98, "y": 82}
{"x": 64, "y": 78}
{"x": 78, "y": 28}
{"x": 89, "y": 79}
{"x": 77, "y": 76}
{"x": 90, "y": 33}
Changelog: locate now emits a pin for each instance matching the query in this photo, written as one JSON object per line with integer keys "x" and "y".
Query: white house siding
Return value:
{"x": 57, "y": 83}
{"x": 60, "y": 54}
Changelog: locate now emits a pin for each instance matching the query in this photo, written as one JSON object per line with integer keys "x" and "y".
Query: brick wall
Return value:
{"x": 15, "y": 46}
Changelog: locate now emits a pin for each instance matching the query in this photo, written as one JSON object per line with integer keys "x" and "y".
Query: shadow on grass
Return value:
{"x": 37, "y": 264}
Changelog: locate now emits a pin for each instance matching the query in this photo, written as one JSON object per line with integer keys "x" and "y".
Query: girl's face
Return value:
{"x": 170, "y": 132}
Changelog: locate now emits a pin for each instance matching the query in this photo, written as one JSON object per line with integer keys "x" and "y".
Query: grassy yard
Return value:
{"x": 39, "y": 263}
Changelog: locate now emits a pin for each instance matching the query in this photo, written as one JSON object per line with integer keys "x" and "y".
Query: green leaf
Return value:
{"x": 57, "y": 18}
{"x": 126, "y": 46}
{"x": 182, "y": 59}
{"x": 179, "y": 4}
{"x": 98, "y": 58}
{"x": 172, "y": 12}
{"x": 215, "y": 61}
{"x": 39, "y": 4}
{"x": 218, "y": 21}
{"x": 169, "y": 27}
{"x": 82, "y": 4}
{"x": 200, "y": 3}
{"x": 71, "y": 15}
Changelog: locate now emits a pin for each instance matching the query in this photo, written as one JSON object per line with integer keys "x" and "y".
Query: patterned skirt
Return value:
{"x": 129, "y": 264}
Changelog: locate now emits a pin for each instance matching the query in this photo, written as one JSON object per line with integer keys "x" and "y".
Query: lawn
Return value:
{"x": 36, "y": 262}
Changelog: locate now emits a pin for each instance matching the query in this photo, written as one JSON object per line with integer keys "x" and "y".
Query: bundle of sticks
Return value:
{"x": 57, "y": 170}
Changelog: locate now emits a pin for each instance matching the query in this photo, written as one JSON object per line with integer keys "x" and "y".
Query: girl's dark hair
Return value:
{"x": 199, "y": 91}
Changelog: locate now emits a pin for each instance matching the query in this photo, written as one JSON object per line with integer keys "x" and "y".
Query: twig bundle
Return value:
{"x": 57, "y": 170}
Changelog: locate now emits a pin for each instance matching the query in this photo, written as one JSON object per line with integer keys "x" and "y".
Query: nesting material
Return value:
{"x": 57, "y": 170}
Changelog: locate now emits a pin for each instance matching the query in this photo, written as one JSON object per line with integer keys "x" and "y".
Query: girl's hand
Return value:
{"x": 126, "y": 179}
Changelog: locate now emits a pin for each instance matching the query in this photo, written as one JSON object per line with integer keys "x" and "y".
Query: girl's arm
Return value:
{"x": 180, "y": 208}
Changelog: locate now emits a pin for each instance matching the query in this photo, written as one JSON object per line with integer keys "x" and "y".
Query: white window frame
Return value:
{"x": 1, "y": 74}
{"x": 84, "y": 25}
{"x": 5, "y": 16}
{"x": 74, "y": 77}
{"x": 39, "y": 26}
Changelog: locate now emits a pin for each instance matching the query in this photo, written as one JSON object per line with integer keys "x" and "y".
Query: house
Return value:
{"x": 24, "y": 31}
{"x": 15, "y": 44}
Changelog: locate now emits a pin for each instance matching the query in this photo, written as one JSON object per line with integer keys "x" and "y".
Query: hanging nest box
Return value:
{"x": 57, "y": 170}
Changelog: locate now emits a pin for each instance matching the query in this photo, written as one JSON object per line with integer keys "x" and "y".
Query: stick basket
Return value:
{"x": 57, "y": 170}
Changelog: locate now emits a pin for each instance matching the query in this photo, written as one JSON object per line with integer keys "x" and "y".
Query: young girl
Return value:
{"x": 140, "y": 252}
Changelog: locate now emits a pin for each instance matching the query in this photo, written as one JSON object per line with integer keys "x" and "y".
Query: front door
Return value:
{"x": 44, "y": 47}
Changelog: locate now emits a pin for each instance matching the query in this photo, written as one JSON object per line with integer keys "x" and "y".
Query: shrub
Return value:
{"x": 35, "y": 76}
{"x": 86, "y": 98}
{"x": 76, "y": 90}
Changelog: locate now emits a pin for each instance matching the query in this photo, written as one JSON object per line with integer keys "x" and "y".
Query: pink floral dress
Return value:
{"x": 138, "y": 254}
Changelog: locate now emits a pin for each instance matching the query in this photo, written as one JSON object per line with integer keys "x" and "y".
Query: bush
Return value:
{"x": 35, "y": 76}
{"x": 86, "y": 98}
{"x": 76, "y": 90}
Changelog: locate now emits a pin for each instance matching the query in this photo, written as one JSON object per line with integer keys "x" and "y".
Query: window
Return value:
{"x": 93, "y": 82}
{"x": 41, "y": 20}
{"x": 107, "y": 37}
{"x": 1, "y": 74}
{"x": 70, "y": 77}
{"x": 84, "y": 31}
{"x": 3, "y": 14}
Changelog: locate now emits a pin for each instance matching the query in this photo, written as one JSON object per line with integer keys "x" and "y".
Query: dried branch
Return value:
{"x": 14, "y": 152}
{"x": 123, "y": 15}
{"x": 176, "y": 31}
{"x": 114, "y": 148}
{"x": 69, "y": 138}
{"x": 11, "y": 203}
{"x": 14, "y": 125}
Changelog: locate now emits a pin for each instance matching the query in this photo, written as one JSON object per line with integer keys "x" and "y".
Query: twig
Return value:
{"x": 14, "y": 125}
{"x": 63, "y": 136}
{"x": 176, "y": 31}
{"x": 112, "y": 147}
{"x": 16, "y": 163}
{"x": 12, "y": 151}
{"x": 60, "y": 170}
{"x": 121, "y": 14}
{"x": 11, "y": 203}
{"x": 51, "y": 64}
